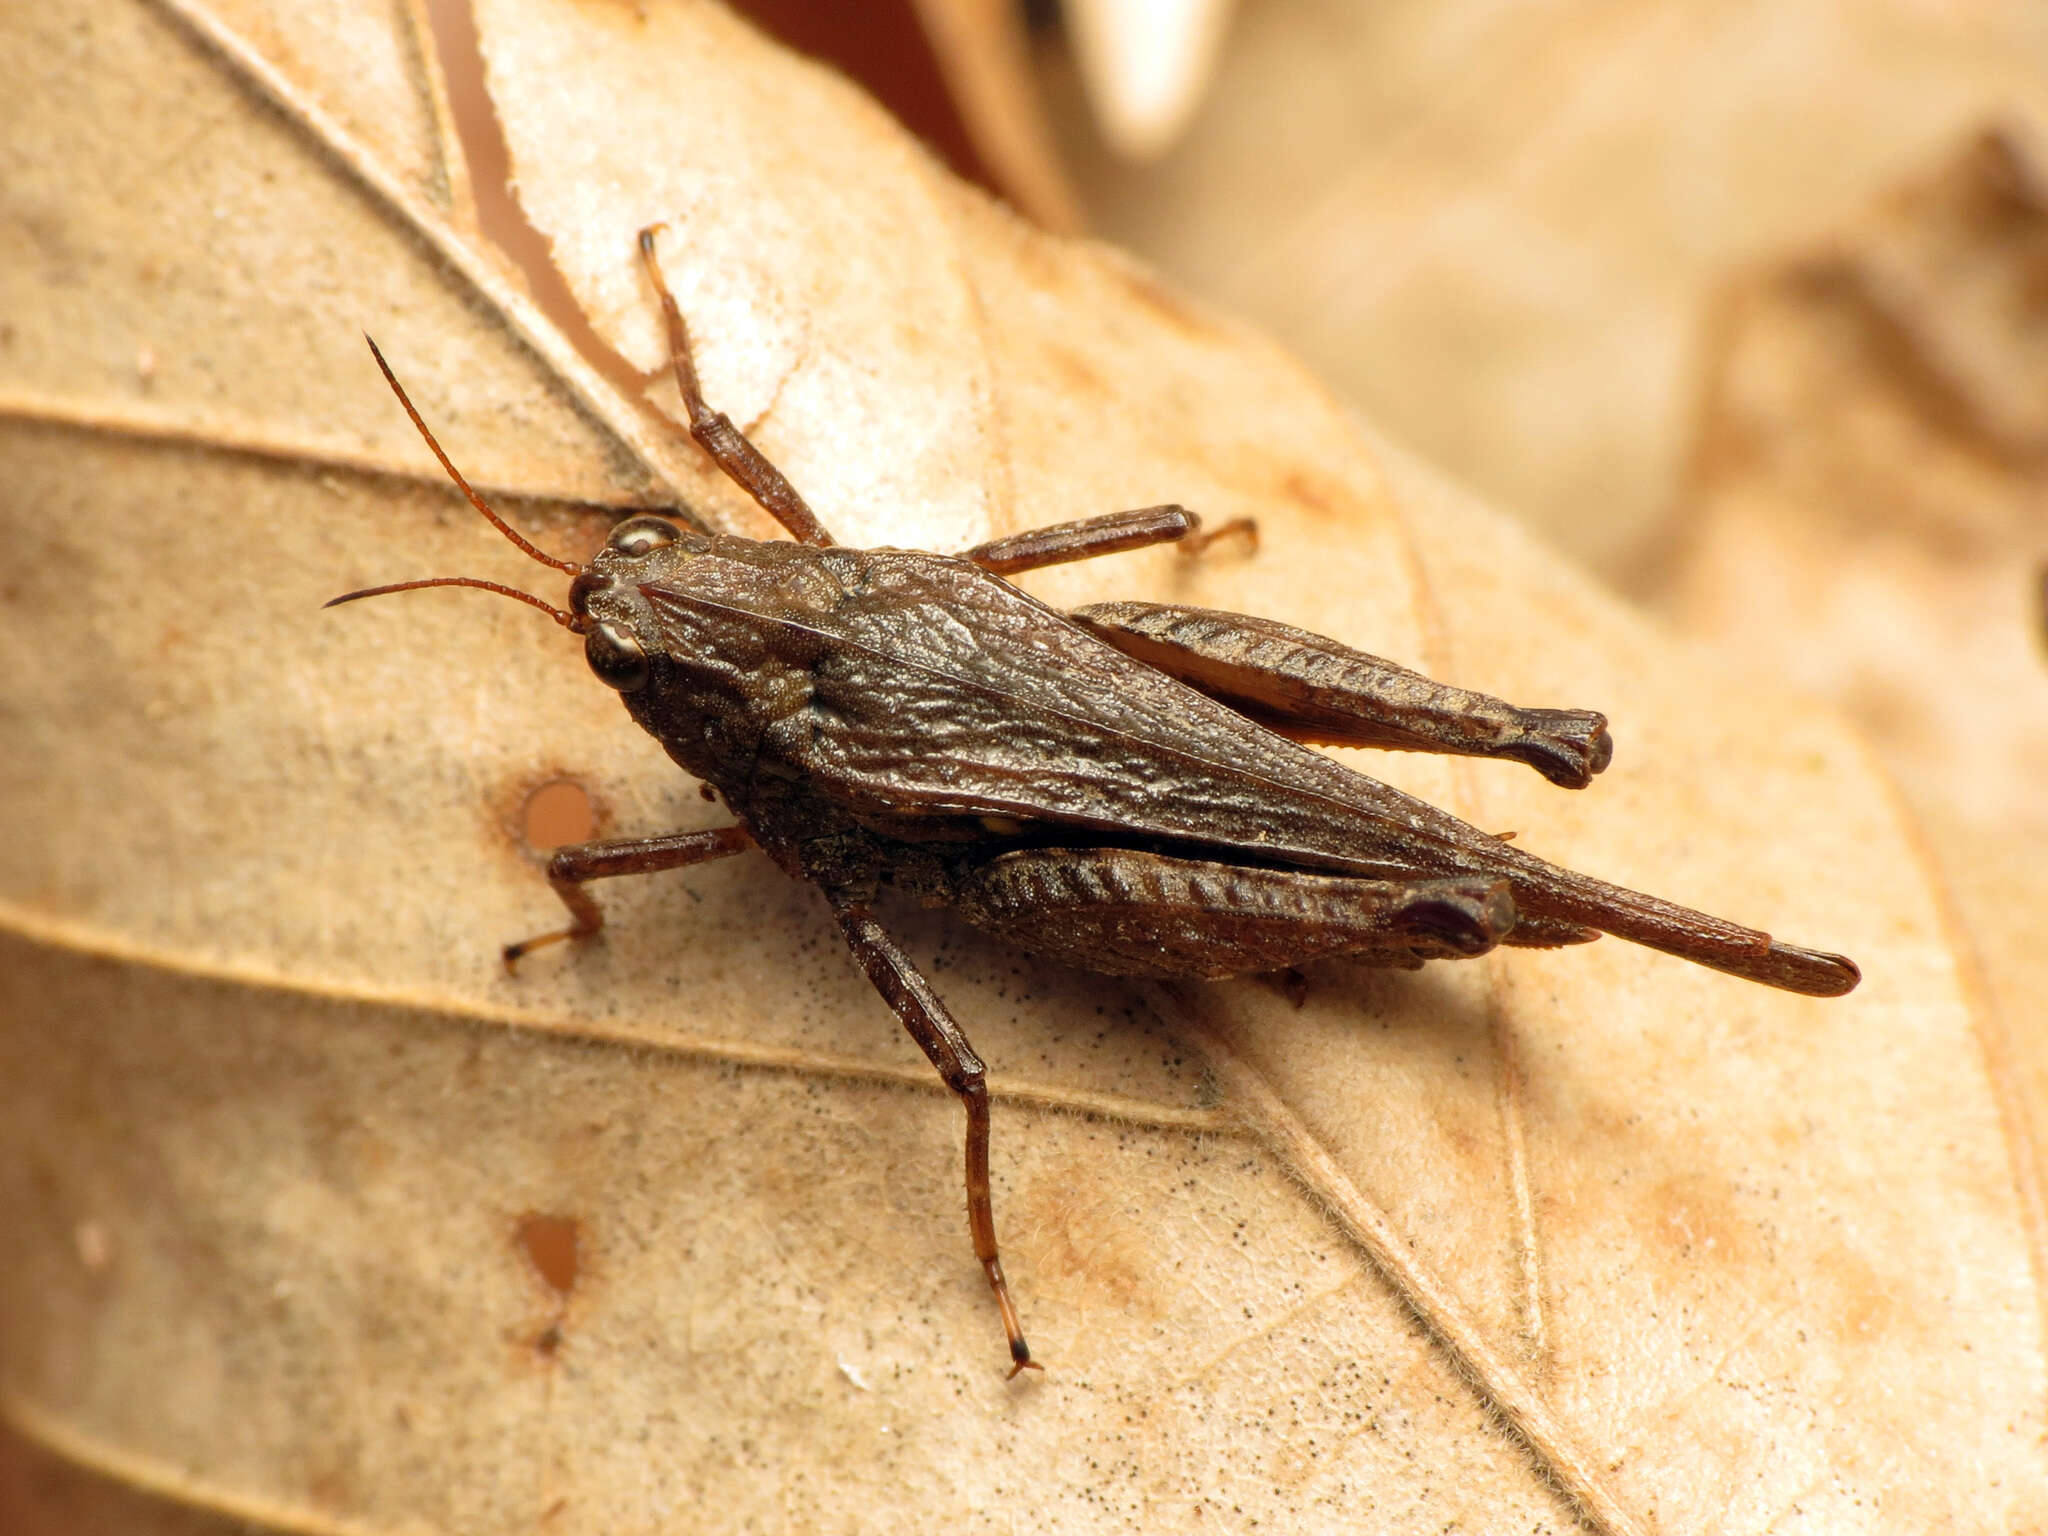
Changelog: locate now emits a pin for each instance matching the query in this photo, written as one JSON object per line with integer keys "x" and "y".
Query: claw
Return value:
{"x": 1020, "y": 1352}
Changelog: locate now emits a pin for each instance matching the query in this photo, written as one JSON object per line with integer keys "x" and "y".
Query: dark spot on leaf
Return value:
{"x": 556, "y": 813}
{"x": 551, "y": 1244}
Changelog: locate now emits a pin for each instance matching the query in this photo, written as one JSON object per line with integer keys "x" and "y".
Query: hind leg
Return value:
{"x": 1315, "y": 690}
{"x": 1130, "y": 913}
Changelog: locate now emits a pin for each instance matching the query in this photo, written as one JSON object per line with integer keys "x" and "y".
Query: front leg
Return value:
{"x": 1314, "y": 690}
{"x": 571, "y": 867}
{"x": 941, "y": 1039}
{"x": 728, "y": 446}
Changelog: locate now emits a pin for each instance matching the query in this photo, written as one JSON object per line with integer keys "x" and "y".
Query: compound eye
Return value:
{"x": 643, "y": 535}
{"x": 616, "y": 657}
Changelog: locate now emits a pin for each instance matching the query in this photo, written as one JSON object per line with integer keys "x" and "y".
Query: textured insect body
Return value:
{"x": 865, "y": 711}
{"x": 1125, "y": 788}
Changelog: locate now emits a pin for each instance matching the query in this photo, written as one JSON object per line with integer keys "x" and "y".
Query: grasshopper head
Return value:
{"x": 605, "y": 596}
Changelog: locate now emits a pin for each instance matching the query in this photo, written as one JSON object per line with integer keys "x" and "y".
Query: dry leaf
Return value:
{"x": 1145, "y": 66}
{"x": 1495, "y": 227}
{"x": 983, "y": 51}
{"x": 323, "y": 1223}
{"x": 1866, "y": 520}
{"x": 1871, "y": 465}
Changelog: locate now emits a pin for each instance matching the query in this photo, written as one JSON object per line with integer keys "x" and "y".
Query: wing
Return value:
{"x": 937, "y": 694}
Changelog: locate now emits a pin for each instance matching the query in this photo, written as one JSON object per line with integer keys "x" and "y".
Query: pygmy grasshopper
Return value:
{"x": 1125, "y": 788}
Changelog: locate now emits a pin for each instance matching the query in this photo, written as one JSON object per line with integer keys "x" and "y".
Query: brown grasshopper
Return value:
{"x": 1124, "y": 788}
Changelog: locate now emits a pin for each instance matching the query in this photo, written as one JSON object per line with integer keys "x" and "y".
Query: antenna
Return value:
{"x": 568, "y": 621}
{"x": 398, "y": 389}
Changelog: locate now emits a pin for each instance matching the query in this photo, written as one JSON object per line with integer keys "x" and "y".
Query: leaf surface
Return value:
{"x": 328, "y": 1224}
{"x": 1864, "y": 518}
